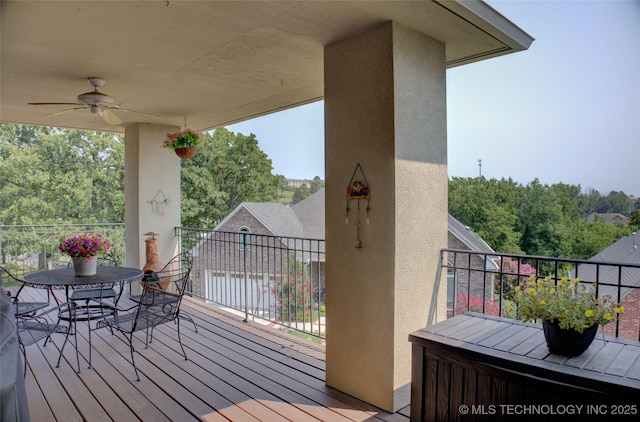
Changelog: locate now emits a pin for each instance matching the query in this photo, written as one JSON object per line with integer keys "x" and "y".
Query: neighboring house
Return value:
{"x": 470, "y": 286}
{"x": 306, "y": 220}
{"x": 267, "y": 244}
{"x": 624, "y": 251}
{"x": 609, "y": 217}
{"x": 296, "y": 183}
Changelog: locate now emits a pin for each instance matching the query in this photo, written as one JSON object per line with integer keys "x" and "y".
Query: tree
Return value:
{"x": 591, "y": 237}
{"x": 228, "y": 169}
{"x": 541, "y": 221}
{"x": 301, "y": 193}
{"x": 316, "y": 185}
{"x": 489, "y": 207}
{"x": 536, "y": 219}
{"x": 634, "y": 223}
{"x": 53, "y": 176}
{"x": 616, "y": 202}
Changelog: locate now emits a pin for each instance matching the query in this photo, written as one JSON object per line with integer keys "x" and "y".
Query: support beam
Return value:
{"x": 385, "y": 108}
{"x": 149, "y": 168}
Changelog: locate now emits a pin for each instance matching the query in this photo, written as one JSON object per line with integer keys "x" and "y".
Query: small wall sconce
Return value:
{"x": 159, "y": 203}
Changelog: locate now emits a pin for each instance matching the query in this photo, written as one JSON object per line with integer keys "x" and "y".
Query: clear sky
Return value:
{"x": 566, "y": 110}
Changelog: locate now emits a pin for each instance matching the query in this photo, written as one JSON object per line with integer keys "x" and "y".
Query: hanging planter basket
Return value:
{"x": 184, "y": 142}
{"x": 186, "y": 152}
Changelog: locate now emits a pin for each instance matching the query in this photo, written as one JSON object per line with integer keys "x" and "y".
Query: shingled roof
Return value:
{"x": 306, "y": 220}
{"x": 467, "y": 236}
{"x": 623, "y": 251}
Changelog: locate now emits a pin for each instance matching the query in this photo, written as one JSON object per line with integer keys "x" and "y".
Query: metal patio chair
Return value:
{"x": 153, "y": 307}
{"x": 158, "y": 277}
{"x": 21, "y": 307}
{"x": 36, "y": 326}
{"x": 33, "y": 321}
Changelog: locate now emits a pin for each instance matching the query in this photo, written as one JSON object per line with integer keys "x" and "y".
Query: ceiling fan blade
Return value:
{"x": 57, "y": 113}
{"x": 110, "y": 117}
{"x": 118, "y": 108}
{"x": 56, "y": 104}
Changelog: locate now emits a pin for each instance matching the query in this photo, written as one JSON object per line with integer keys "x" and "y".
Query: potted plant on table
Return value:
{"x": 84, "y": 250}
{"x": 184, "y": 143}
{"x": 570, "y": 312}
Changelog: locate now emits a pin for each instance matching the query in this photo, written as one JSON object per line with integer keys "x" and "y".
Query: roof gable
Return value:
{"x": 276, "y": 218}
{"x": 306, "y": 219}
{"x": 467, "y": 236}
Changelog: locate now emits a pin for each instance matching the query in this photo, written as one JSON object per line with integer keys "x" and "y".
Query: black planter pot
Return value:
{"x": 567, "y": 342}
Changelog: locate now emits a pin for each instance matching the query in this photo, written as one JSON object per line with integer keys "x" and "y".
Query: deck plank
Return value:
{"x": 236, "y": 371}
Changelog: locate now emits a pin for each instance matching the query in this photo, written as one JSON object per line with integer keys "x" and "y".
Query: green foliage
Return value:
{"x": 182, "y": 139}
{"x": 301, "y": 193}
{"x": 53, "y": 176}
{"x": 50, "y": 176}
{"x": 537, "y": 219}
{"x": 294, "y": 293}
{"x": 305, "y": 191}
{"x": 614, "y": 202}
{"x": 541, "y": 221}
{"x": 590, "y": 237}
{"x": 228, "y": 169}
{"x": 575, "y": 306}
{"x": 634, "y": 223}
{"x": 490, "y": 208}
{"x": 315, "y": 185}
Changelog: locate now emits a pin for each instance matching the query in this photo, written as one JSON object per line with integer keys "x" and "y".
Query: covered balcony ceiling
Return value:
{"x": 211, "y": 63}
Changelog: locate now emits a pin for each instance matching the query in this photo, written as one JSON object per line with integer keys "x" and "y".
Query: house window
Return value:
{"x": 245, "y": 238}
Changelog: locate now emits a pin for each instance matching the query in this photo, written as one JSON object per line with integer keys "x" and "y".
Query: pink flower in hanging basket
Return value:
{"x": 182, "y": 139}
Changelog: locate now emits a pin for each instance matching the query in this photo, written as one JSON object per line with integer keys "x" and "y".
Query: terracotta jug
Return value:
{"x": 153, "y": 263}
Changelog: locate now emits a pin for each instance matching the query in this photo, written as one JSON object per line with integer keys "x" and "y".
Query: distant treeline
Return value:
{"x": 54, "y": 176}
{"x": 537, "y": 219}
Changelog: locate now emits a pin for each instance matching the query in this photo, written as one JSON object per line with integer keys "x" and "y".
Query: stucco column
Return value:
{"x": 385, "y": 108}
{"x": 149, "y": 169}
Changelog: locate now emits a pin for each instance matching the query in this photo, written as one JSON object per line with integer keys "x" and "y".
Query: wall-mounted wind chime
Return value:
{"x": 159, "y": 203}
{"x": 358, "y": 190}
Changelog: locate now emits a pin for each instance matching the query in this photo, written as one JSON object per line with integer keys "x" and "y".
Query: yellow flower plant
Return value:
{"x": 573, "y": 305}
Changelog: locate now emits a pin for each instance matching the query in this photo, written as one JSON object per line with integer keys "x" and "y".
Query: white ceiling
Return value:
{"x": 215, "y": 62}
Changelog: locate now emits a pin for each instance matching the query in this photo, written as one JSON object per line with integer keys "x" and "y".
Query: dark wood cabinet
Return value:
{"x": 478, "y": 367}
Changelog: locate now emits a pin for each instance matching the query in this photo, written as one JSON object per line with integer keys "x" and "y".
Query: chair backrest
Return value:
{"x": 177, "y": 271}
{"x": 10, "y": 277}
{"x": 157, "y": 305}
{"x": 107, "y": 260}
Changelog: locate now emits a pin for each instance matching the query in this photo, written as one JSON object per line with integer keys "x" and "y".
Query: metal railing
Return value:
{"x": 484, "y": 283}
{"x": 282, "y": 279}
{"x": 273, "y": 278}
{"x": 29, "y": 248}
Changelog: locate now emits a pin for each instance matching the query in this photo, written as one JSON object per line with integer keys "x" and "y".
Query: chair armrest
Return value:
{"x": 62, "y": 307}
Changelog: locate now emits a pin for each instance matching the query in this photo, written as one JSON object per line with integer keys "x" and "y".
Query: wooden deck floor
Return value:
{"x": 236, "y": 371}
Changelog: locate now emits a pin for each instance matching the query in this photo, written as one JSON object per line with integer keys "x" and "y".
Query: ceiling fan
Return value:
{"x": 96, "y": 102}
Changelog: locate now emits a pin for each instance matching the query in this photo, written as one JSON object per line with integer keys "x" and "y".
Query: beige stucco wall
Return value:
{"x": 148, "y": 169}
{"x": 385, "y": 108}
